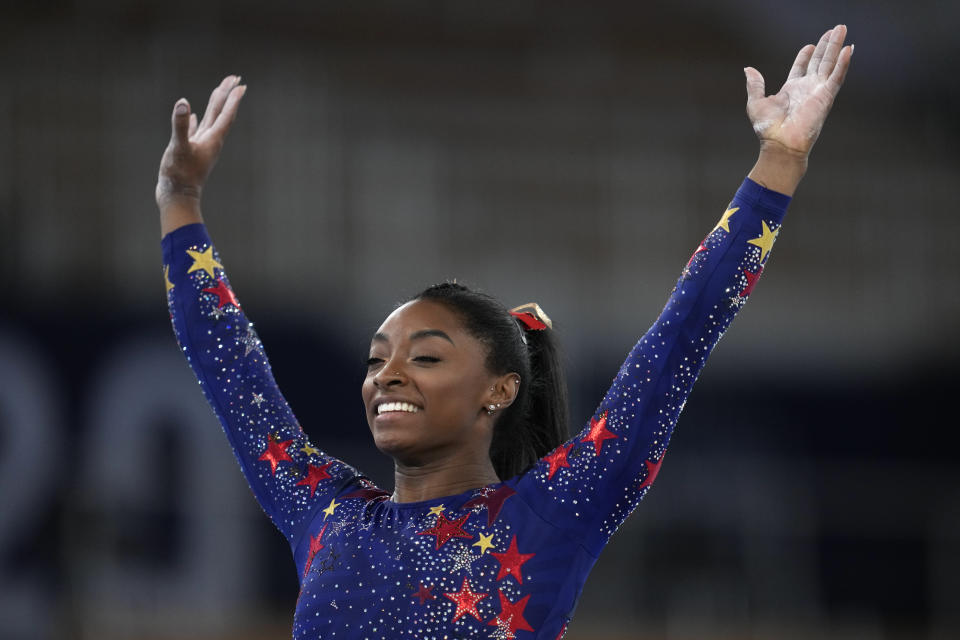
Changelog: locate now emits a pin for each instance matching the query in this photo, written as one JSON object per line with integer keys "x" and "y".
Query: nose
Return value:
{"x": 388, "y": 376}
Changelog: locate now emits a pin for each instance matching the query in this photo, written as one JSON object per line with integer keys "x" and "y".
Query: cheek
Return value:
{"x": 367, "y": 390}
{"x": 460, "y": 399}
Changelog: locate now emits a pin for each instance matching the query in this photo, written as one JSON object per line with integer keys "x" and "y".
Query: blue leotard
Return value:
{"x": 507, "y": 560}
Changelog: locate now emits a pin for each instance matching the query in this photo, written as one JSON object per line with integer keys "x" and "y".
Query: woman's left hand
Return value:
{"x": 792, "y": 118}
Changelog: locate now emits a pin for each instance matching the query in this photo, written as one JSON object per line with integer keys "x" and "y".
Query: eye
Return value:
{"x": 429, "y": 359}
{"x": 374, "y": 361}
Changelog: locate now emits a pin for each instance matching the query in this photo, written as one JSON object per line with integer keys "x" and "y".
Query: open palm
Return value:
{"x": 793, "y": 117}
{"x": 195, "y": 146}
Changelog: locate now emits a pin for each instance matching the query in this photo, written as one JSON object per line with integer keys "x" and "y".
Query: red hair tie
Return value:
{"x": 532, "y": 316}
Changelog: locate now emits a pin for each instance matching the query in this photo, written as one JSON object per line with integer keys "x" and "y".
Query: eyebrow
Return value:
{"x": 419, "y": 335}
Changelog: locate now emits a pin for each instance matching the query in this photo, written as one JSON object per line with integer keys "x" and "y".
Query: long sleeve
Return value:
{"x": 290, "y": 478}
{"x": 591, "y": 483}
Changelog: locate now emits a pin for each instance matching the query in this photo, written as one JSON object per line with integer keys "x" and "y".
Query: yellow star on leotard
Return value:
{"x": 329, "y": 510}
{"x": 203, "y": 260}
{"x": 310, "y": 451}
{"x": 484, "y": 543}
{"x": 725, "y": 219}
{"x": 437, "y": 510}
{"x": 166, "y": 277}
{"x": 765, "y": 241}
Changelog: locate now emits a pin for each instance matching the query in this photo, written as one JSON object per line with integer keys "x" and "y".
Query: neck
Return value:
{"x": 415, "y": 483}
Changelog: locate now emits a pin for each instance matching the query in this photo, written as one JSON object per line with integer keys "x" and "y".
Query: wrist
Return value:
{"x": 779, "y": 168}
{"x": 170, "y": 191}
{"x": 178, "y": 207}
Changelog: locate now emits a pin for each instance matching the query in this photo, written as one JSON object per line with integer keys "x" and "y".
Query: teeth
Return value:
{"x": 397, "y": 406}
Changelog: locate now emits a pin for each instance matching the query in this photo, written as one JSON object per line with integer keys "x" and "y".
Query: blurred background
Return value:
{"x": 572, "y": 153}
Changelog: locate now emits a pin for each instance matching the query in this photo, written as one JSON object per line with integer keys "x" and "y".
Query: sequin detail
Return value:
{"x": 504, "y": 561}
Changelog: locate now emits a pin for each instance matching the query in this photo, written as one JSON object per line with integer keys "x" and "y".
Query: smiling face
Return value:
{"x": 427, "y": 386}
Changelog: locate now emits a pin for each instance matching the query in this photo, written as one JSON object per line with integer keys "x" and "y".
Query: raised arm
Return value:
{"x": 591, "y": 483}
{"x": 291, "y": 479}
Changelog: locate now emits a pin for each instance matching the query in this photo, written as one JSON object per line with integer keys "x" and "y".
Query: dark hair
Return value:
{"x": 536, "y": 422}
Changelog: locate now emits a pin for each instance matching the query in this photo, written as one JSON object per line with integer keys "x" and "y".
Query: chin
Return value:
{"x": 403, "y": 448}
{"x": 398, "y": 435}
{"x": 401, "y": 455}
{"x": 392, "y": 443}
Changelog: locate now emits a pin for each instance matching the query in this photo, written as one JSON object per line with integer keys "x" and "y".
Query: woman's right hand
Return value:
{"x": 193, "y": 150}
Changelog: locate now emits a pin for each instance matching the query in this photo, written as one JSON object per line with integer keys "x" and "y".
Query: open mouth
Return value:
{"x": 396, "y": 407}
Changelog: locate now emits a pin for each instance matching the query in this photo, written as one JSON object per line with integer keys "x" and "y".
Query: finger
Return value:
{"x": 839, "y": 73}
{"x": 180, "y": 123}
{"x": 832, "y": 51}
{"x": 799, "y": 67}
{"x": 217, "y": 99}
{"x": 228, "y": 114}
{"x": 755, "y": 84}
{"x": 817, "y": 56}
{"x": 193, "y": 124}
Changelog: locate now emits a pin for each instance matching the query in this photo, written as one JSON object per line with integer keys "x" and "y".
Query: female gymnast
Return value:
{"x": 495, "y": 518}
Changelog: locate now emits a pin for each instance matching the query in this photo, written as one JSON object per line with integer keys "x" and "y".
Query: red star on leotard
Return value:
{"x": 445, "y": 529}
{"x": 599, "y": 433}
{"x": 653, "y": 468}
{"x": 751, "y": 281}
{"x": 557, "y": 458}
{"x": 493, "y": 502}
{"x": 424, "y": 593}
{"x": 699, "y": 249}
{"x": 224, "y": 294}
{"x": 511, "y": 561}
{"x": 315, "y": 548}
{"x": 466, "y": 601}
{"x": 314, "y": 476}
{"x": 511, "y": 613}
{"x": 276, "y": 453}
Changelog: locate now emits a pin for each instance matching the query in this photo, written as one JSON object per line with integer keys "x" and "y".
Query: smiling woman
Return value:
{"x": 463, "y": 356}
{"x": 496, "y": 517}
{"x": 423, "y": 357}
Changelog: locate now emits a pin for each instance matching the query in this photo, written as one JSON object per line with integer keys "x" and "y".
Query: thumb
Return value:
{"x": 755, "y": 84}
{"x": 180, "y": 123}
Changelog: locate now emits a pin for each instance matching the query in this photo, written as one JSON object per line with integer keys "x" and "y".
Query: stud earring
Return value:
{"x": 490, "y": 409}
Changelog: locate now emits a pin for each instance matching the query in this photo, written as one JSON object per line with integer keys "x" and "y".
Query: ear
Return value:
{"x": 502, "y": 391}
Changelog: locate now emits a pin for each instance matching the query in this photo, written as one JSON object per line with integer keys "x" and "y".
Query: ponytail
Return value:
{"x": 522, "y": 438}
{"x": 536, "y": 422}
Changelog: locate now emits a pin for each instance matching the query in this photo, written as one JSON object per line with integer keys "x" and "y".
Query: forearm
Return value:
{"x": 596, "y": 479}
{"x": 716, "y": 282}
{"x": 290, "y": 478}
